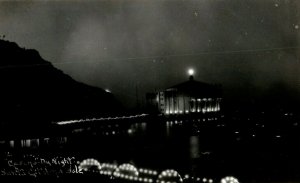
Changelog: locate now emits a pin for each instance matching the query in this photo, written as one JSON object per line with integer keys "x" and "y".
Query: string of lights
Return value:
{"x": 35, "y": 165}
{"x": 100, "y": 119}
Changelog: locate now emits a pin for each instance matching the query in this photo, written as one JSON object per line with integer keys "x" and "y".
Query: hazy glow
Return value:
{"x": 229, "y": 180}
{"x": 191, "y": 72}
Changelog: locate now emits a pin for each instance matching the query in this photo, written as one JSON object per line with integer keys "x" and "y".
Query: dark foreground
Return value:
{"x": 260, "y": 148}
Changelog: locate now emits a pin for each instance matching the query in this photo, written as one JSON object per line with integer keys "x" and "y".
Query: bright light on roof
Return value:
{"x": 191, "y": 72}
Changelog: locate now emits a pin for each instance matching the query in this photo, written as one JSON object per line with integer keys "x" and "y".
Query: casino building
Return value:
{"x": 186, "y": 98}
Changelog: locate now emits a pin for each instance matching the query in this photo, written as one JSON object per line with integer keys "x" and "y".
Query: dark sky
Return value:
{"x": 249, "y": 46}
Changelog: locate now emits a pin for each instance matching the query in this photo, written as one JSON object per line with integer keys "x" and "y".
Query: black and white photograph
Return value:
{"x": 150, "y": 91}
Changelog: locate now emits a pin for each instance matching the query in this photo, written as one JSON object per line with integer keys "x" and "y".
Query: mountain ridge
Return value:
{"x": 33, "y": 91}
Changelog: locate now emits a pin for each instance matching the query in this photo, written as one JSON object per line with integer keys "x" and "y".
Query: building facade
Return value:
{"x": 187, "y": 97}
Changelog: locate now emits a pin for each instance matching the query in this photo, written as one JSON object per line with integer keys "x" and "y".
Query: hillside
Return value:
{"x": 34, "y": 92}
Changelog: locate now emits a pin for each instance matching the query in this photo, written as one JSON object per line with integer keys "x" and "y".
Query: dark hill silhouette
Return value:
{"x": 34, "y": 92}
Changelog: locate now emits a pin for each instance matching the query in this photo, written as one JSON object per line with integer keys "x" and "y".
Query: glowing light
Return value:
{"x": 169, "y": 176}
{"x": 11, "y": 143}
{"x": 89, "y": 164}
{"x": 191, "y": 72}
{"x": 108, "y": 169}
{"x": 126, "y": 171}
{"x": 229, "y": 179}
{"x": 107, "y": 90}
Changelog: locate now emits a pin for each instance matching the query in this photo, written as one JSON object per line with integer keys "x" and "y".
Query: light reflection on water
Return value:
{"x": 172, "y": 143}
{"x": 194, "y": 147}
{"x": 170, "y": 139}
{"x": 168, "y": 126}
{"x": 172, "y": 131}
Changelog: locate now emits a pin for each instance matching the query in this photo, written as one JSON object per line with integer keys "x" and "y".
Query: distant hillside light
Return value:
{"x": 107, "y": 90}
{"x": 191, "y": 72}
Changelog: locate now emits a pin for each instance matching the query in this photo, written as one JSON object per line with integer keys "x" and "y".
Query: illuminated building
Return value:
{"x": 188, "y": 97}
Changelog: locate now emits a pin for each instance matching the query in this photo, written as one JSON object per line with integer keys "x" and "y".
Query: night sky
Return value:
{"x": 251, "y": 47}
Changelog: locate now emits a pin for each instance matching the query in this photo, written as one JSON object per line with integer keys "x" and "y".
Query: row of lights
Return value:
{"x": 85, "y": 164}
{"x": 198, "y": 179}
{"x": 180, "y": 122}
{"x": 168, "y": 173}
{"x": 99, "y": 119}
{"x": 107, "y": 169}
{"x": 107, "y": 165}
{"x": 147, "y": 171}
{"x": 134, "y": 178}
{"x": 128, "y": 168}
{"x": 104, "y": 172}
{"x": 213, "y": 109}
{"x": 204, "y": 99}
{"x": 167, "y": 176}
{"x": 175, "y": 122}
{"x": 175, "y": 112}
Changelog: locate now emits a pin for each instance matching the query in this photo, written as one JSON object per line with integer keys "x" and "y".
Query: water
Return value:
{"x": 210, "y": 147}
